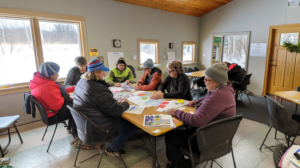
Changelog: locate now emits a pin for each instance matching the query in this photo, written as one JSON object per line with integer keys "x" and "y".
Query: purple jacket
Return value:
{"x": 216, "y": 105}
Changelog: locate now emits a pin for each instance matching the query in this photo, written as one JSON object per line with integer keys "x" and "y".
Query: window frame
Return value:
{"x": 34, "y": 18}
{"x": 247, "y": 33}
{"x": 194, "y": 51}
{"x": 148, "y": 41}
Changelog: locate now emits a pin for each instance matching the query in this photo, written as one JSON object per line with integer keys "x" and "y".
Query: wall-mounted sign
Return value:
{"x": 93, "y": 51}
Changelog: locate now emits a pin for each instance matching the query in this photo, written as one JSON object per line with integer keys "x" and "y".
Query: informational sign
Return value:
{"x": 113, "y": 58}
{"x": 93, "y": 51}
{"x": 258, "y": 49}
{"x": 171, "y": 56}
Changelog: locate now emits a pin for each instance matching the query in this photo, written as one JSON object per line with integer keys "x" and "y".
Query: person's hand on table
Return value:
{"x": 139, "y": 84}
{"x": 158, "y": 95}
{"x": 192, "y": 104}
{"x": 117, "y": 84}
{"x": 127, "y": 81}
{"x": 135, "y": 87}
{"x": 171, "y": 112}
{"x": 122, "y": 100}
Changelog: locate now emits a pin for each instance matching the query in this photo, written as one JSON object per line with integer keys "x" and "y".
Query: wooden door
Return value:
{"x": 283, "y": 66}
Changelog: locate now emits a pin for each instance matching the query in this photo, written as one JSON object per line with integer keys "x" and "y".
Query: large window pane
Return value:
{"x": 235, "y": 48}
{"x": 16, "y": 52}
{"x": 188, "y": 53}
{"x": 147, "y": 51}
{"x": 61, "y": 44}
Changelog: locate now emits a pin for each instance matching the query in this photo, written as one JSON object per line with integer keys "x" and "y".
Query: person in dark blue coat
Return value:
{"x": 94, "y": 99}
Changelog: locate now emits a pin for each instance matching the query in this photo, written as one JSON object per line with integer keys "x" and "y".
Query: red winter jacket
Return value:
{"x": 46, "y": 92}
{"x": 154, "y": 78}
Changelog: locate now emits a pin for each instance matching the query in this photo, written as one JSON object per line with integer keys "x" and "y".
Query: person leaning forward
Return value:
{"x": 177, "y": 83}
{"x": 219, "y": 103}
{"x": 94, "y": 99}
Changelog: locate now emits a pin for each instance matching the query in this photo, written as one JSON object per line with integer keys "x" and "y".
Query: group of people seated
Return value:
{"x": 94, "y": 99}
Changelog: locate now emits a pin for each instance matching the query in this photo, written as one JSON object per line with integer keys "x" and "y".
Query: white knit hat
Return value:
{"x": 218, "y": 73}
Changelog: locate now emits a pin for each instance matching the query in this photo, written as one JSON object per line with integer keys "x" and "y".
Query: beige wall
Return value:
{"x": 107, "y": 20}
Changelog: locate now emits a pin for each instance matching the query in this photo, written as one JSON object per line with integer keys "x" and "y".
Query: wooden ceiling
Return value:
{"x": 186, "y": 7}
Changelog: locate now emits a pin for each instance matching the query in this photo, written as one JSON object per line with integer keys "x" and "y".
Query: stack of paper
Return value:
{"x": 135, "y": 109}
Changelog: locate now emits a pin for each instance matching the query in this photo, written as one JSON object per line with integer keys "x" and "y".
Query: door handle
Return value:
{"x": 272, "y": 65}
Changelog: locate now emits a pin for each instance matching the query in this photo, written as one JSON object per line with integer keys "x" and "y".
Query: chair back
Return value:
{"x": 215, "y": 139}
{"x": 201, "y": 83}
{"x": 132, "y": 70}
{"x": 42, "y": 110}
{"x": 190, "y": 70}
{"x": 245, "y": 82}
{"x": 84, "y": 127}
{"x": 196, "y": 69}
{"x": 185, "y": 69}
{"x": 280, "y": 118}
{"x": 298, "y": 89}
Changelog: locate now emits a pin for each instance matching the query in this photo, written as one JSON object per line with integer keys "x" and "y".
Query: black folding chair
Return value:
{"x": 201, "y": 88}
{"x": 85, "y": 134}
{"x": 243, "y": 87}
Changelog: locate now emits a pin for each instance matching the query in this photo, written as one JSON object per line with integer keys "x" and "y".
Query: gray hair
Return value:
{"x": 91, "y": 75}
{"x": 80, "y": 61}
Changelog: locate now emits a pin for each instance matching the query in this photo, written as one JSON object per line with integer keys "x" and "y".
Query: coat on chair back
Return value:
{"x": 95, "y": 100}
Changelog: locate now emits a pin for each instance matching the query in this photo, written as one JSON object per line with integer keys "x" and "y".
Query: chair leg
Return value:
{"x": 1, "y": 151}
{"x": 77, "y": 154}
{"x": 275, "y": 134}
{"x": 241, "y": 99}
{"x": 104, "y": 147}
{"x": 295, "y": 136}
{"x": 296, "y": 109}
{"x": 9, "y": 139}
{"x": 52, "y": 137}
{"x": 18, "y": 133}
{"x": 119, "y": 154}
{"x": 233, "y": 158}
{"x": 249, "y": 100}
{"x": 212, "y": 162}
{"x": 45, "y": 133}
{"x": 265, "y": 138}
{"x": 178, "y": 159}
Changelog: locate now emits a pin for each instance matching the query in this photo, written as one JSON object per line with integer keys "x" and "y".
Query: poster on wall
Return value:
{"x": 258, "y": 49}
{"x": 93, "y": 51}
{"x": 113, "y": 58}
{"x": 171, "y": 56}
{"x": 216, "y": 49}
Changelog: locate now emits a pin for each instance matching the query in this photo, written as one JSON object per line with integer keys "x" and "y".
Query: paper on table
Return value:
{"x": 137, "y": 92}
{"x": 139, "y": 101}
{"x": 135, "y": 109}
{"x": 173, "y": 105}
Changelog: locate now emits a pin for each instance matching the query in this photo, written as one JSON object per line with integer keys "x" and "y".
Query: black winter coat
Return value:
{"x": 182, "y": 88}
{"x": 95, "y": 100}
{"x": 236, "y": 74}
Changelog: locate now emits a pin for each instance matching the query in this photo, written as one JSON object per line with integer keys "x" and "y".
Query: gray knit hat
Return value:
{"x": 48, "y": 69}
{"x": 148, "y": 64}
{"x": 218, "y": 73}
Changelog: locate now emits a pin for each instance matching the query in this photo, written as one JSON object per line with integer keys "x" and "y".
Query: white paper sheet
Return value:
{"x": 135, "y": 109}
{"x": 258, "y": 49}
{"x": 173, "y": 105}
{"x": 171, "y": 56}
{"x": 113, "y": 58}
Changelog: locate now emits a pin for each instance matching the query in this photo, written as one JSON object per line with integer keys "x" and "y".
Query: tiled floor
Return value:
{"x": 32, "y": 153}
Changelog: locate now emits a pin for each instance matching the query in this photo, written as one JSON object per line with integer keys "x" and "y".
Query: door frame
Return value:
{"x": 270, "y": 47}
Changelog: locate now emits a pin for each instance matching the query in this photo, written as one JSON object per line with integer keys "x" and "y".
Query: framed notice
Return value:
{"x": 93, "y": 51}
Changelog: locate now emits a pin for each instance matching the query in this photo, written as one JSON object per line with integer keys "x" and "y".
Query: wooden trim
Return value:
{"x": 194, "y": 51}
{"x": 38, "y": 43}
{"x": 148, "y": 41}
{"x": 269, "y": 51}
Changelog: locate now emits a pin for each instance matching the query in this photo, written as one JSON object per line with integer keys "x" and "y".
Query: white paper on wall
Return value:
{"x": 171, "y": 56}
{"x": 258, "y": 49}
{"x": 113, "y": 58}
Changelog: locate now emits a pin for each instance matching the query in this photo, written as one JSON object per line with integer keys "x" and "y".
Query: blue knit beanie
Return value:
{"x": 48, "y": 69}
{"x": 96, "y": 64}
{"x": 148, "y": 64}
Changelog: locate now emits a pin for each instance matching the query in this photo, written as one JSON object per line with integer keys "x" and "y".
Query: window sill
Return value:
{"x": 18, "y": 89}
{"x": 141, "y": 66}
{"x": 189, "y": 63}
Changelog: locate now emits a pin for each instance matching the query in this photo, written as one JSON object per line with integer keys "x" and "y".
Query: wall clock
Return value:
{"x": 293, "y": 2}
{"x": 116, "y": 43}
{"x": 171, "y": 45}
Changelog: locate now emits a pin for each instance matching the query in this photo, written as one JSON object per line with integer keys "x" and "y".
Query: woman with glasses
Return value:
{"x": 151, "y": 78}
{"x": 219, "y": 103}
{"x": 177, "y": 83}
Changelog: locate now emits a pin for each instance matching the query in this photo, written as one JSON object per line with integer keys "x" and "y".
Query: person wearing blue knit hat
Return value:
{"x": 94, "y": 99}
{"x": 52, "y": 94}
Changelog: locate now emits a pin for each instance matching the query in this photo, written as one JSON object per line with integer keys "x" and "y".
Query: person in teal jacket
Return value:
{"x": 120, "y": 74}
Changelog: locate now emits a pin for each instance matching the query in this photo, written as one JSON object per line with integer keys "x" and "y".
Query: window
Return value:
{"x": 188, "y": 52}
{"x": 235, "y": 48}
{"x": 289, "y": 37}
{"x": 147, "y": 49}
{"x": 28, "y": 39}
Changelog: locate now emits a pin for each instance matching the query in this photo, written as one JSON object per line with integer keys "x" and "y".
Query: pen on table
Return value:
{"x": 132, "y": 108}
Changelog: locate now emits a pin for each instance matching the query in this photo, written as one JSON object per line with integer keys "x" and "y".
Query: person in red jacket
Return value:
{"x": 151, "y": 78}
{"x": 51, "y": 94}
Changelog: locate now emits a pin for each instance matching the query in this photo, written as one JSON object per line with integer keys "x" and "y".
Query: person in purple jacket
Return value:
{"x": 218, "y": 103}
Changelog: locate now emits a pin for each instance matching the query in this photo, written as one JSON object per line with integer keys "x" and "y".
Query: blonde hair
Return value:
{"x": 91, "y": 75}
{"x": 177, "y": 66}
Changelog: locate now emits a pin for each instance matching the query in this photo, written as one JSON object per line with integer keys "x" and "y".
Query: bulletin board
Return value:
{"x": 216, "y": 49}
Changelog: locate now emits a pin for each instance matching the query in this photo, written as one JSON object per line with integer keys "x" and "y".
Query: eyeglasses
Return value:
{"x": 206, "y": 80}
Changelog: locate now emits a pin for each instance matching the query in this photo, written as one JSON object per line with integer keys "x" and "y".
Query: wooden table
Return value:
{"x": 293, "y": 96}
{"x": 137, "y": 120}
{"x": 196, "y": 74}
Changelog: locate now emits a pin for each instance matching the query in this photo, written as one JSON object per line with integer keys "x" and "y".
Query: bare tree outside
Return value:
{"x": 289, "y": 37}
{"x": 235, "y": 48}
{"x": 147, "y": 51}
